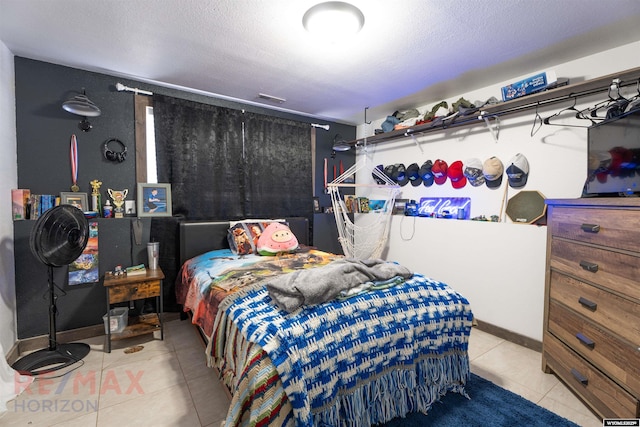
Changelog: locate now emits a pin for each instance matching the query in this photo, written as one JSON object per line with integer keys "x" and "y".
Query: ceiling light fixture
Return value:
{"x": 82, "y": 106}
{"x": 333, "y": 20}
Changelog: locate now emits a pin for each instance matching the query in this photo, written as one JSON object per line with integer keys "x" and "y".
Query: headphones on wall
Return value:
{"x": 113, "y": 156}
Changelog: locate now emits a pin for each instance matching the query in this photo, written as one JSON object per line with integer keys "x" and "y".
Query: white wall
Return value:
{"x": 8, "y": 180}
{"x": 499, "y": 267}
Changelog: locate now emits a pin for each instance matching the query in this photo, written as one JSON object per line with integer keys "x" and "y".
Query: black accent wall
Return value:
{"x": 44, "y": 131}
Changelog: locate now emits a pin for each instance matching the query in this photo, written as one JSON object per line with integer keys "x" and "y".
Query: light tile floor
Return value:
{"x": 167, "y": 383}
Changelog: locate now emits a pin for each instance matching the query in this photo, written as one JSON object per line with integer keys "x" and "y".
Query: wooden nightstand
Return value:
{"x": 123, "y": 288}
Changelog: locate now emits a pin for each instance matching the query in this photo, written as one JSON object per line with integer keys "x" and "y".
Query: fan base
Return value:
{"x": 46, "y": 360}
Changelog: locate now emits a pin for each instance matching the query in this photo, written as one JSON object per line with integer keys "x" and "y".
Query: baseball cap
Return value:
{"x": 376, "y": 177}
{"x": 518, "y": 171}
{"x": 492, "y": 169}
{"x": 388, "y": 170}
{"x": 473, "y": 171}
{"x": 455, "y": 174}
{"x": 399, "y": 174}
{"x": 426, "y": 174}
{"x": 439, "y": 170}
{"x": 413, "y": 172}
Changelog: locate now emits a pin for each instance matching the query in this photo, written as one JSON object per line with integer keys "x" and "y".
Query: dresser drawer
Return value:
{"x": 616, "y": 358}
{"x": 621, "y": 315}
{"x": 134, "y": 291}
{"x": 616, "y": 271}
{"x": 607, "y": 398}
{"x": 607, "y": 227}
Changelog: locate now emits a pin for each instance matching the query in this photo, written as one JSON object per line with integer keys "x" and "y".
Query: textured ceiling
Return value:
{"x": 409, "y": 52}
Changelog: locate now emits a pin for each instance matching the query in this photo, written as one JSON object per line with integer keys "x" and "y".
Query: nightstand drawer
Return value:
{"x": 605, "y": 396}
{"x": 134, "y": 291}
{"x": 607, "y": 227}
{"x": 617, "y": 358}
{"x": 621, "y": 315}
{"x": 613, "y": 270}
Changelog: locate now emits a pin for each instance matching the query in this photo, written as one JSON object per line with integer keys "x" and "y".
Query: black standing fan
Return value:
{"x": 58, "y": 238}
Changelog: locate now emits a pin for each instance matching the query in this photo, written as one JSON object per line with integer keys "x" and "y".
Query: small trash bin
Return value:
{"x": 119, "y": 318}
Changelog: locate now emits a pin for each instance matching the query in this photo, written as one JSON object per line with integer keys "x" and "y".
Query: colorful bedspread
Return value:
{"x": 204, "y": 281}
{"x": 356, "y": 362}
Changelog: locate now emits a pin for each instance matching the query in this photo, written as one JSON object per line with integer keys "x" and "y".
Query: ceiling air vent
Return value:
{"x": 271, "y": 98}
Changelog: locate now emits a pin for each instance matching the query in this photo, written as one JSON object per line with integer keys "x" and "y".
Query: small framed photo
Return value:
{"x": 316, "y": 205}
{"x": 154, "y": 199}
{"x": 79, "y": 200}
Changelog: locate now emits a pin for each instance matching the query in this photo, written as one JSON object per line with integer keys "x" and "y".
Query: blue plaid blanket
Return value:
{"x": 365, "y": 359}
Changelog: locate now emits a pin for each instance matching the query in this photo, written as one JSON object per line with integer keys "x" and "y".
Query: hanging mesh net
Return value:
{"x": 368, "y": 238}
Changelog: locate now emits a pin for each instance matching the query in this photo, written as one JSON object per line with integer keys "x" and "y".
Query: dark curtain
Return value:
{"x": 226, "y": 164}
{"x": 277, "y": 167}
{"x": 199, "y": 151}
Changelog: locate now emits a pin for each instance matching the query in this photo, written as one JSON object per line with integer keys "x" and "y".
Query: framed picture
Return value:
{"x": 316, "y": 205}
{"x": 79, "y": 200}
{"x": 154, "y": 199}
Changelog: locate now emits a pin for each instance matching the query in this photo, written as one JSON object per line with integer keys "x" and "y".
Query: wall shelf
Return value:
{"x": 547, "y": 97}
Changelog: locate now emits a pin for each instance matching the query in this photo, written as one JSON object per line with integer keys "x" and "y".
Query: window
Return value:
{"x": 146, "y": 170}
{"x": 150, "y": 146}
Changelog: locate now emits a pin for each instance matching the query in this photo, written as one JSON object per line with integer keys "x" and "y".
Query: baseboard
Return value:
{"x": 26, "y": 345}
{"x": 42, "y": 341}
{"x": 36, "y": 343}
{"x": 13, "y": 354}
{"x": 509, "y": 335}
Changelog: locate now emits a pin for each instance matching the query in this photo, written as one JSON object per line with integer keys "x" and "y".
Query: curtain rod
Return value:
{"x": 120, "y": 87}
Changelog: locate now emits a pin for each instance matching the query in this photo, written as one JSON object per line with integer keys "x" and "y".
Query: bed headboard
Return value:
{"x": 197, "y": 237}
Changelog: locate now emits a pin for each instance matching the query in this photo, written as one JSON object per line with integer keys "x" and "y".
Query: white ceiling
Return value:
{"x": 409, "y": 53}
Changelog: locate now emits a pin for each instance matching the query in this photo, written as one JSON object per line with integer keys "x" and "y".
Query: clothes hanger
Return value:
{"x": 637, "y": 95}
{"x": 634, "y": 102}
{"x": 572, "y": 108}
{"x": 536, "y": 119}
{"x": 612, "y": 101}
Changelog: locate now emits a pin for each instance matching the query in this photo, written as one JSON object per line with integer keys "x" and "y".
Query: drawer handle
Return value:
{"x": 589, "y": 304}
{"x": 590, "y": 228}
{"x": 577, "y": 375}
{"x": 589, "y": 266}
{"x": 585, "y": 341}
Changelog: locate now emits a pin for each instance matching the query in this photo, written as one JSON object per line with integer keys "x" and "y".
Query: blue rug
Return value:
{"x": 490, "y": 405}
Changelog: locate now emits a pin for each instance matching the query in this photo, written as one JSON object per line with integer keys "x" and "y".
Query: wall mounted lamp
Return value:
{"x": 339, "y": 144}
{"x": 82, "y": 106}
{"x": 333, "y": 20}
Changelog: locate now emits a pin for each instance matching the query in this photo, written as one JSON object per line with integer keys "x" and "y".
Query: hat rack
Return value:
{"x": 536, "y": 100}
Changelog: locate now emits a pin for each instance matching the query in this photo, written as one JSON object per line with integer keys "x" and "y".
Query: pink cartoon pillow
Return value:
{"x": 276, "y": 239}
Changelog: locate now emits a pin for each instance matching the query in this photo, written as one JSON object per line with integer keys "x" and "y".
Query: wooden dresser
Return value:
{"x": 591, "y": 337}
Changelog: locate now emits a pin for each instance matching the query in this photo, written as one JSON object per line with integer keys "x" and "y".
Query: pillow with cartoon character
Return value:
{"x": 239, "y": 241}
{"x": 276, "y": 239}
{"x": 243, "y": 235}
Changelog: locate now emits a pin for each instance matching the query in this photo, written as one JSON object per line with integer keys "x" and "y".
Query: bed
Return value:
{"x": 370, "y": 354}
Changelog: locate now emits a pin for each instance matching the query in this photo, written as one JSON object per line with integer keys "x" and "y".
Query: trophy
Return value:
{"x": 118, "y": 197}
{"x": 95, "y": 195}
